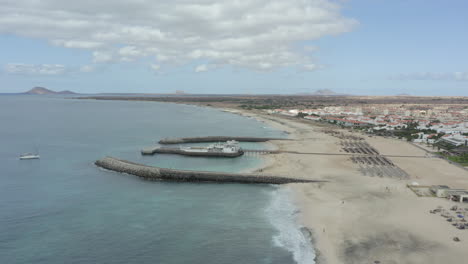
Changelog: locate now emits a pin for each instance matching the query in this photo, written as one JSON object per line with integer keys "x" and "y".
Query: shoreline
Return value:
{"x": 355, "y": 218}
{"x": 268, "y": 163}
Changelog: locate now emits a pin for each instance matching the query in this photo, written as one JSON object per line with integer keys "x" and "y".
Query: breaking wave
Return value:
{"x": 292, "y": 236}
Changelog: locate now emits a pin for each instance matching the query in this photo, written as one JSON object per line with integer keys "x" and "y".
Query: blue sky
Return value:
{"x": 372, "y": 47}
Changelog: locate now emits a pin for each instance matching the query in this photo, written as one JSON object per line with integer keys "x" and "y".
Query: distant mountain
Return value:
{"x": 403, "y": 94}
{"x": 44, "y": 91}
{"x": 324, "y": 92}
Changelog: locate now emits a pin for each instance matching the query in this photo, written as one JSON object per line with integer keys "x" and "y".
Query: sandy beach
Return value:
{"x": 356, "y": 218}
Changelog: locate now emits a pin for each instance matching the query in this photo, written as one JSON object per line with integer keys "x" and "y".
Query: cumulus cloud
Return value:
{"x": 312, "y": 67}
{"x": 155, "y": 67}
{"x": 461, "y": 76}
{"x": 256, "y": 34}
{"x": 434, "y": 76}
{"x": 86, "y": 68}
{"x": 44, "y": 69}
{"x": 310, "y": 48}
{"x": 77, "y": 44}
{"x": 33, "y": 69}
{"x": 201, "y": 68}
{"x": 102, "y": 56}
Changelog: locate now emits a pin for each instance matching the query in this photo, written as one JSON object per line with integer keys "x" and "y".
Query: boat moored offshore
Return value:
{"x": 29, "y": 156}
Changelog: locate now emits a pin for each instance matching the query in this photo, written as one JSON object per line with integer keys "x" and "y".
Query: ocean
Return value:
{"x": 63, "y": 209}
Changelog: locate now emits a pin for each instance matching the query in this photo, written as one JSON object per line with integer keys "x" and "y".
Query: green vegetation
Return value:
{"x": 410, "y": 132}
{"x": 462, "y": 159}
{"x": 360, "y": 128}
{"x": 260, "y": 107}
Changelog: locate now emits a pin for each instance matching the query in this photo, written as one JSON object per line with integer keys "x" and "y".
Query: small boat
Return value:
{"x": 28, "y": 156}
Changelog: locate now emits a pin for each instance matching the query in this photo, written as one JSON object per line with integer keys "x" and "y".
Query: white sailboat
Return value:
{"x": 28, "y": 156}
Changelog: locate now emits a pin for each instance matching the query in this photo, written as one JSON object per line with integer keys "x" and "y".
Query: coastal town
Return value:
{"x": 442, "y": 129}
{"x": 399, "y": 193}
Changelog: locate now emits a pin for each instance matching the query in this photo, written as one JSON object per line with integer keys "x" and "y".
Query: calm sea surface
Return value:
{"x": 63, "y": 209}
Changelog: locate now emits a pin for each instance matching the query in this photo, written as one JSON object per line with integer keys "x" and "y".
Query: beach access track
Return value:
{"x": 164, "y": 150}
{"x": 216, "y": 139}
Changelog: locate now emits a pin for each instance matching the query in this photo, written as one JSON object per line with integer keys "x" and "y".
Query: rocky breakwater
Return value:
{"x": 215, "y": 139}
{"x": 155, "y": 173}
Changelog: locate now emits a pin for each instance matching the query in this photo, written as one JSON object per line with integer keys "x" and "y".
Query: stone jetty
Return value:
{"x": 155, "y": 173}
{"x": 215, "y": 139}
{"x": 154, "y": 150}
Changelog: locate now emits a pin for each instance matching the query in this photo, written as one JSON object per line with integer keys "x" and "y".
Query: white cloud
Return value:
{"x": 311, "y": 67}
{"x": 454, "y": 76}
{"x": 77, "y": 44}
{"x": 31, "y": 69}
{"x": 310, "y": 48}
{"x": 155, "y": 67}
{"x": 201, "y": 68}
{"x": 86, "y": 68}
{"x": 461, "y": 76}
{"x": 130, "y": 53}
{"x": 101, "y": 56}
{"x": 256, "y": 34}
{"x": 44, "y": 69}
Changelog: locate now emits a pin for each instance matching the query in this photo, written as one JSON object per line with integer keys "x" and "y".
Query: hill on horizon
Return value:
{"x": 322, "y": 92}
{"x": 44, "y": 91}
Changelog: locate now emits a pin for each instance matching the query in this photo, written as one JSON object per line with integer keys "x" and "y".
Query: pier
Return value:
{"x": 215, "y": 139}
{"x": 162, "y": 174}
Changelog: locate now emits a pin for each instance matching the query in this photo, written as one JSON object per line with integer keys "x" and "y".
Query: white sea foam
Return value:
{"x": 291, "y": 235}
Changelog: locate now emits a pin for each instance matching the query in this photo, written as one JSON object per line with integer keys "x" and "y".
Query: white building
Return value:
{"x": 424, "y": 138}
{"x": 455, "y": 140}
{"x": 313, "y": 118}
{"x": 440, "y": 190}
{"x": 443, "y": 191}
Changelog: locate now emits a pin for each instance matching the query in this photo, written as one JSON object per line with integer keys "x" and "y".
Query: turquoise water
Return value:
{"x": 63, "y": 209}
